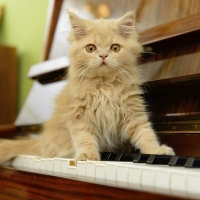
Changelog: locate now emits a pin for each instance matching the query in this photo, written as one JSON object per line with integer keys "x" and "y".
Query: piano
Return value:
{"x": 171, "y": 68}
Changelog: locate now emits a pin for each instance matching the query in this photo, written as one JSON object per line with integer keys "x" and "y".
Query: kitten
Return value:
{"x": 101, "y": 107}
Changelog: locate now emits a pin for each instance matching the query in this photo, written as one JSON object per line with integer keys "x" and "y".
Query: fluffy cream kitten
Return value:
{"x": 101, "y": 107}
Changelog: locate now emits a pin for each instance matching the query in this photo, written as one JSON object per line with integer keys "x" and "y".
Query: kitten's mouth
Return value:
{"x": 103, "y": 64}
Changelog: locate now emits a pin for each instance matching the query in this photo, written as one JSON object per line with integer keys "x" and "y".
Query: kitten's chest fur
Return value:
{"x": 105, "y": 105}
{"x": 105, "y": 108}
{"x": 104, "y": 112}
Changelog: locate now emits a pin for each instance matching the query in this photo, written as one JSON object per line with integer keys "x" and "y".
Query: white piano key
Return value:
{"x": 122, "y": 175}
{"x": 21, "y": 161}
{"x": 134, "y": 177}
{"x": 100, "y": 173}
{"x": 147, "y": 178}
{"x": 30, "y": 163}
{"x": 193, "y": 183}
{"x": 129, "y": 175}
{"x": 25, "y": 162}
{"x": 178, "y": 180}
{"x": 43, "y": 164}
{"x": 36, "y": 164}
{"x": 17, "y": 161}
{"x": 111, "y": 173}
{"x": 65, "y": 164}
{"x": 50, "y": 166}
{"x": 72, "y": 172}
{"x": 72, "y": 168}
{"x": 162, "y": 180}
{"x": 90, "y": 170}
{"x": 80, "y": 170}
{"x": 57, "y": 166}
{"x": 64, "y": 167}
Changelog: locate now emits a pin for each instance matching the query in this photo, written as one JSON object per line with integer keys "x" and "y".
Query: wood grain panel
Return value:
{"x": 8, "y": 131}
{"x": 183, "y": 144}
{"x": 149, "y": 13}
{"x": 178, "y": 63}
{"x": 54, "y": 20}
{"x": 174, "y": 107}
{"x": 8, "y": 84}
{"x": 174, "y": 33}
{"x": 156, "y": 12}
{"x": 23, "y": 185}
{"x": 174, "y": 98}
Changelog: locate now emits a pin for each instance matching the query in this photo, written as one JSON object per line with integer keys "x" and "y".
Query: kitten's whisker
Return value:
{"x": 83, "y": 72}
{"x": 146, "y": 52}
{"x": 126, "y": 72}
{"x": 120, "y": 70}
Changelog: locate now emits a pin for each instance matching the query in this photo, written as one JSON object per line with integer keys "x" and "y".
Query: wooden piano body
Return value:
{"x": 172, "y": 72}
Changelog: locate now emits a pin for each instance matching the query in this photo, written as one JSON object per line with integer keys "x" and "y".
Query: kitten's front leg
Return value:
{"x": 143, "y": 137}
{"x": 85, "y": 143}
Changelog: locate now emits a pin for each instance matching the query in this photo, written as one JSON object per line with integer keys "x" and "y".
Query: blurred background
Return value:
{"x": 35, "y": 30}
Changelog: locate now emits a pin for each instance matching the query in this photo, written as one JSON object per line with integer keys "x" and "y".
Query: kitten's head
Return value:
{"x": 103, "y": 47}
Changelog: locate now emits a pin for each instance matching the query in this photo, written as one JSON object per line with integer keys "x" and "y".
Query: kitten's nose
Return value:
{"x": 103, "y": 56}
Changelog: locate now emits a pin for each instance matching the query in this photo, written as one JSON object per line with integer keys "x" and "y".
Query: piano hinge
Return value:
{"x": 178, "y": 127}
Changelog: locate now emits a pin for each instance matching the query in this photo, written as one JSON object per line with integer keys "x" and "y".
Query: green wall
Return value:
{"x": 23, "y": 27}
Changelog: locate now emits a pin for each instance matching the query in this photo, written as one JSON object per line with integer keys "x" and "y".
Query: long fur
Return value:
{"x": 101, "y": 108}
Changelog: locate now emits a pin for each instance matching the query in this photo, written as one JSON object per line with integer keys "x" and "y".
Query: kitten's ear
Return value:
{"x": 78, "y": 26}
{"x": 126, "y": 24}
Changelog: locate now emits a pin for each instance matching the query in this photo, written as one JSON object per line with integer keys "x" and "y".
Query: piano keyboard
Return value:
{"x": 168, "y": 175}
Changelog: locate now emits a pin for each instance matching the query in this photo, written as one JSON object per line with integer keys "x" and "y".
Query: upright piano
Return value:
{"x": 171, "y": 67}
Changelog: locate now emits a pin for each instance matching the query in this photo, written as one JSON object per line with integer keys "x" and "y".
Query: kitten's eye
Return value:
{"x": 90, "y": 48}
{"x": 115, "y": 48}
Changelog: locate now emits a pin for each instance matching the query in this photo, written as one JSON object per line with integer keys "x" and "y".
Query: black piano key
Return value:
{"x": 158, "y": 159}
{"x": 178, "y": 161}
{"x": 141, "y": 158}
{"x": 192, "y": 163}
{"x": 127, "y": 157}
{"x": 189, "y": 162}
{"x": 112, "y": 157}
{"x": 105, "y": 156}
{"x": 118, "y": 157}
{"x": 196, "y": 163}
{"x": 151, "y": 159}
{"x": 173, "y": 161}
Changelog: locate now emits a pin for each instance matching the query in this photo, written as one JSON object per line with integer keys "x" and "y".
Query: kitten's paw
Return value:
{"x": 165, "y": 150}
{"x": 88, "y": 156}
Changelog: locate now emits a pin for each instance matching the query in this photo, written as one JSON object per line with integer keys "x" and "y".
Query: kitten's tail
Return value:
{"x": 13, "y": 148}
